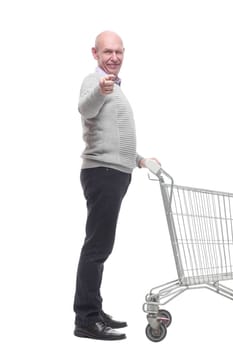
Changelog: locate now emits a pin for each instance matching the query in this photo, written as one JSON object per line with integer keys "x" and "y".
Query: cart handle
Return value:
{"x": 155, "y": 168}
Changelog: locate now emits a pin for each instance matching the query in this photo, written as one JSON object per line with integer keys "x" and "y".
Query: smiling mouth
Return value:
{"x": 113, "y": 65}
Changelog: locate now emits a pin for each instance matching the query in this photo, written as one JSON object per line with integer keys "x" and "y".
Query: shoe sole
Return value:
{"x": 85, "y": 334}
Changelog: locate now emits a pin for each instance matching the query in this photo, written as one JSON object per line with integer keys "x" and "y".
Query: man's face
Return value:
{"x": 109, "y": 53}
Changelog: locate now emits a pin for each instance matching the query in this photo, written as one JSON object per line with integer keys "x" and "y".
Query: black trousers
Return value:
{"x": 104, "y": 189}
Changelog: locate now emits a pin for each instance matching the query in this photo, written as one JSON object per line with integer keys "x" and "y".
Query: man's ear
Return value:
{"x": 94, "y": 53}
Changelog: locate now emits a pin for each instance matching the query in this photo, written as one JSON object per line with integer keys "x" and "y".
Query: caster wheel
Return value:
{"x": 166, "y": 317}
{"x": 156, "y": 335}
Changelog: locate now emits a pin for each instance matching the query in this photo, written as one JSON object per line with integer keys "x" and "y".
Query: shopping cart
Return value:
{"x": 200, "y": 224}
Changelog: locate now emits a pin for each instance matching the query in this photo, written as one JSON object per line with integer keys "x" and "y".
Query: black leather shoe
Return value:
{"x": 98, "y": 330}
{"x": 108, "y": 320}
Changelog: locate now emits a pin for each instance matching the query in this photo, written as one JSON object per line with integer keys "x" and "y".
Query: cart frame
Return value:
{"x": 200, "y": 224}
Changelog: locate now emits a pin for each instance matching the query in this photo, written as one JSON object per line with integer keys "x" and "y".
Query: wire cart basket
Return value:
{"x": 200, "y": 224}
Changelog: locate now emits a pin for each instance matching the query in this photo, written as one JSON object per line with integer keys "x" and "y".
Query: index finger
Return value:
{"x": 110, "y": 77}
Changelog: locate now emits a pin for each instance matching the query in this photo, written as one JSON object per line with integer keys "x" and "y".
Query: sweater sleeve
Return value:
{"x": 90, "y": 100}
{"x": 138, "y": 159}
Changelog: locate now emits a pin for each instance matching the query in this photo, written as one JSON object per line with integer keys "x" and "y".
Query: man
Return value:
{"x": 108, "y": 161}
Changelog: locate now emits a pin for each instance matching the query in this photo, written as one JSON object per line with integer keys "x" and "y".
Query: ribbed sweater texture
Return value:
{"x": 108, "y": 127}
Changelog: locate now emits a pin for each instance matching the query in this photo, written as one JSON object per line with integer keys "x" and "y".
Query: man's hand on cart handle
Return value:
{"x": 146, "y": 162}
{"x": 153, "y": 164}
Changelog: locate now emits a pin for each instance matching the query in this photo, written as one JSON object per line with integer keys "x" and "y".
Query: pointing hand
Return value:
{"x": 106, "y": 84}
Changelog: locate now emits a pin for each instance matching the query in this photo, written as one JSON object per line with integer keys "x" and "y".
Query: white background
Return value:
{"x": 178, "y": 77}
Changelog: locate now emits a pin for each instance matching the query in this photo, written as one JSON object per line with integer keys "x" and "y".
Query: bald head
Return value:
{"x": 107, "y": 37}
{"x": 109, "y": 52}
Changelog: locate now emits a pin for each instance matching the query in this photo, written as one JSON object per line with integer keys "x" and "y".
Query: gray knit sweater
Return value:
{"x": 108, "y": 127}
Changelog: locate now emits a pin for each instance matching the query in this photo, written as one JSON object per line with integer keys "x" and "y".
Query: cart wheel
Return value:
{"x": 166, "y": 317}
{"x": 156, "y": 335}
